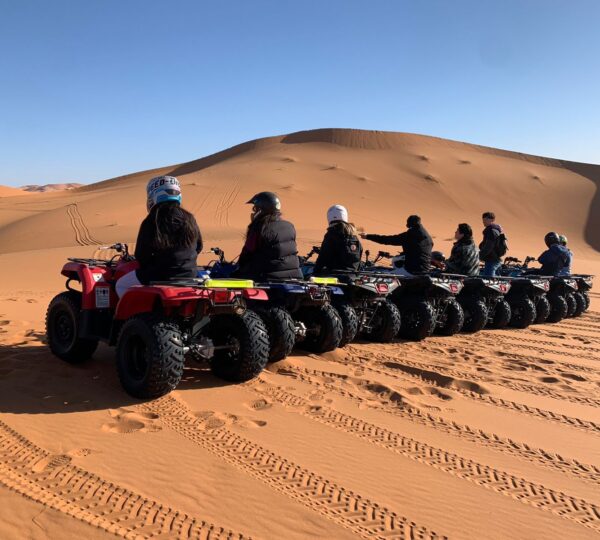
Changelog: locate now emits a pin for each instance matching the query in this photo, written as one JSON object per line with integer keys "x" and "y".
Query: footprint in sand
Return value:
{"x": 216, "y": 420}
{"x": 259, "y": 405}
{"x": 80, "y": 452}
{"x": 51, "y": 462}
{"x": 127, "y": 421}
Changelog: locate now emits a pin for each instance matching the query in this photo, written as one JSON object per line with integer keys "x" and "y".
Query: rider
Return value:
{"x": 169, "y": 239}
{"x": 341, "y": 248}
{"x": 416, "y": 242}
{"x": 464, "y": 258}
{"x": 566, "y": 271}
{"x": 270, "y": 250}
{"x": 555, "y": 258}
{"x": 493, "y": 246}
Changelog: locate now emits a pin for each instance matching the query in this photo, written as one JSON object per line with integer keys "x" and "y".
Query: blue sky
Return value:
{"x": 97, "y": 88}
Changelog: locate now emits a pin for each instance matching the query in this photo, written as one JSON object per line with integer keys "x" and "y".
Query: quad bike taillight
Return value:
{"x": 222, "y": 297}
{"x": 382, "y": 288}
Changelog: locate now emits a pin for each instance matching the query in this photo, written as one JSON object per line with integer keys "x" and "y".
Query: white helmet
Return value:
{"x": 162, "y": 189}
{"x": 337, "y": 213}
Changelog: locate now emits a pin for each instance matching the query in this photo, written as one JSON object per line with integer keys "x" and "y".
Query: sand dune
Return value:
{"x": 37, "y": 188}
{"x": 494, "y": 435}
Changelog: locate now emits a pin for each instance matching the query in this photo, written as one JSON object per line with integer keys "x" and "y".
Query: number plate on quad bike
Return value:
{"x": 102, "y": 297}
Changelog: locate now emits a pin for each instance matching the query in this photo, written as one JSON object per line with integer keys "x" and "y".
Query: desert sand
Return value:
{"x": 493, "y": 435}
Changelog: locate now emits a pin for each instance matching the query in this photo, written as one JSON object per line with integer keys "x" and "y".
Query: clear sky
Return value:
{"x": 91, "y": 89}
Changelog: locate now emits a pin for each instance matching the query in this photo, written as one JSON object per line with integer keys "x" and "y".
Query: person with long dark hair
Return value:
{"x": 270, "y": 250}
{"x": 341, "y": 249}
{"x": 169, "y": 238}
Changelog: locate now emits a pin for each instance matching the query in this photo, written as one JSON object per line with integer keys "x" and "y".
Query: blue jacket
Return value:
{"x": 554, "y": 260}
{"x": 566, "y": 271}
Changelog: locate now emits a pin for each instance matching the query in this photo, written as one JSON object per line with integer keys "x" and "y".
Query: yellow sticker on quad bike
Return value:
{"x": 228, "y": 283}
{"x": 325, "y": 280}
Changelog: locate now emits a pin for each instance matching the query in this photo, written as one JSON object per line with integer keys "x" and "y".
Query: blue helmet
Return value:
{"x": 162, "y": 189}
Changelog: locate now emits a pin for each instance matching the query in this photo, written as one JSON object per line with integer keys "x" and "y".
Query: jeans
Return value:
{"x": 490, "y": 268}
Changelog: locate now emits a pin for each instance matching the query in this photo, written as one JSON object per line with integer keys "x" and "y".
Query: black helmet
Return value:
{"x": 413, "y": 221}
{"x": 551, "y": 238}
{"x": 266, "y": 202}
{"x": 438, "y": 256}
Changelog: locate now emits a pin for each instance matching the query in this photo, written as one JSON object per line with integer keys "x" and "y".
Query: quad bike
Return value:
{"x": 297, "y": 312}
{"x": 482, "y": 299}
{"x": 427, "y": 302}
{"x": 363, "y": 305}
{"x": 584, "y": 285}
{"x": 555, "y": 297}
{"x": 156, "y": 327}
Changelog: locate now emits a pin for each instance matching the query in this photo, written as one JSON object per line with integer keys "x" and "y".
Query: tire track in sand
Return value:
{"x": 508, "y": 383}
{"x": 362, "y": 516}
{"x": 393, "y": 405}
{"x": 82, "y": 233}
{"x": 530, "y": 493}
{"x": 54, "y": 482}
{"x": 405, "y": 369}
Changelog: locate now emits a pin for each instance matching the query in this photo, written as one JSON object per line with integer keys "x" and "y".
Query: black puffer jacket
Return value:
{"x": 417, "y": 246}
{"x": 166, "y": 264}
{"x": 339, "y": 251}
{"x": 464, "y": 258}
{"x": 270, "y": 251}
{"x": 487, "y": 247}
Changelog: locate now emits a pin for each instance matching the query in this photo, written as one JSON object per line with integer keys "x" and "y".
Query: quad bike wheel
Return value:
{"x": 571, "y": 304}
{"x": 586, "y": 297}
{"x": 282, "y": 332}
{"x": 241, "y": 346}
{"x": 542, "y": 309}
{"x": 476, "y": 315}
{"x": 150, "y": 356}
{"x": 62, "y": 329}
{"x": 323, "y": 328}
{"x": 502, "y": 315}
{"x": 349, "y": 323}
{"x": 418, "y": 319}
{"x": 558, "y": 308}
{"x": 386, "y": 323}
{"x": 523, "y": 313}
{"x": 452, "y": 319}
{"x": 580, "y": 304}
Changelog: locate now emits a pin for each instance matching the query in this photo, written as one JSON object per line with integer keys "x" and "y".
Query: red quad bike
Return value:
{"x": 156, "y": 327}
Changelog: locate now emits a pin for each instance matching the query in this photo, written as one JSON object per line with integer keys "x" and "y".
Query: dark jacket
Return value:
{"x": 163, "y": 265}
{"x": 566, "y": 271}
{"x": 339, "y": 251}
{"x": 270, "y": 251}
{"x": 554, "y": 259}
{"x": 417, "y": 246}
{"x": 464, "y": 258}
{"x": 487, "y": 248}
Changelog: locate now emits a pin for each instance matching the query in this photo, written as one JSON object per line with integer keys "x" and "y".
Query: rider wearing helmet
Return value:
{"x": 555, "y": 258}
{"x": 169, "y": 239}
{"x": 270, "y": 250}
{"x": 464, "y": 258}
{"x": 566, "y": 271}
{"x": 341, "y": 249}
{"x": 416, "y": 243}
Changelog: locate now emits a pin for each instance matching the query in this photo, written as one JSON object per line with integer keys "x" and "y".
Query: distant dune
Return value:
{"x": 49, "y": 187}
{"x": 6, "y": 191}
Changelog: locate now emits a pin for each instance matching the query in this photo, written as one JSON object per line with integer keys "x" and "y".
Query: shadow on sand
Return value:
{"x": 34, "y": 381}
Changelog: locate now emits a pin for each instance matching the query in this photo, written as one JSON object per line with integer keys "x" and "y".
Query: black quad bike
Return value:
{"x": 584, "y": 284}
{"x": 484, "y": 301}
{"x": 297, "y": 312}
{"x": 427, "y": 302}
{"x": 553, "y": 297}
{"x": 362, "y": 299}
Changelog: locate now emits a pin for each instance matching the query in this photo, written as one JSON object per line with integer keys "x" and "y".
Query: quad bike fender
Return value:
{"x": 96, "y": 292}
